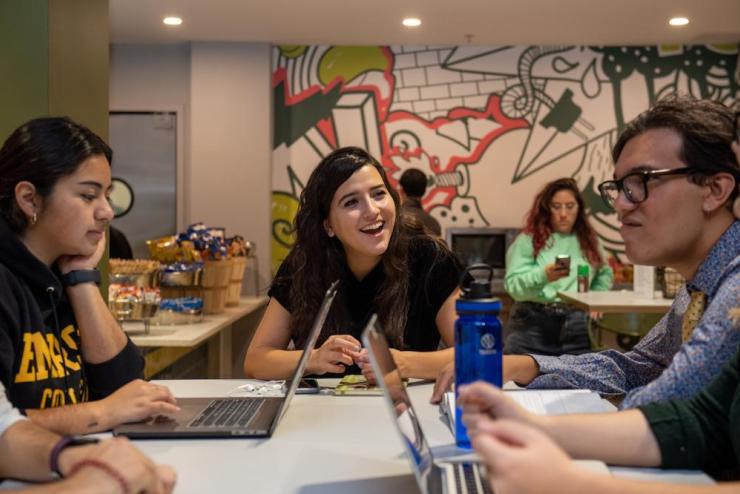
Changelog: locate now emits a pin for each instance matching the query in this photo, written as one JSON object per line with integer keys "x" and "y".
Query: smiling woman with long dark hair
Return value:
{"x": 349, "y": 228}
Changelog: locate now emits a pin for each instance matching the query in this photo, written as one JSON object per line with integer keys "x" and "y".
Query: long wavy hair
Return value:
{"x": 538, "y": 225}
{"x": 316, "y": 259}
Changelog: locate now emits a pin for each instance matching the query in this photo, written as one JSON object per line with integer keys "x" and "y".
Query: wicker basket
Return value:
{"x": 235, "y": 283}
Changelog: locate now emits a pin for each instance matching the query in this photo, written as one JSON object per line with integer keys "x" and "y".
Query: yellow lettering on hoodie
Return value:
{"x": 42, "y": 356}
{"x": 26, "y": 371}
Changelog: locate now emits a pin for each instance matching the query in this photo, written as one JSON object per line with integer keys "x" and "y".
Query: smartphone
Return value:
{"x": 562, "y": 261}
{"x": 308, "y": 387}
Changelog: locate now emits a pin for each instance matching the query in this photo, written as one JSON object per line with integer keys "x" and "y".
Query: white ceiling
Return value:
{"x": 378, "y": 22}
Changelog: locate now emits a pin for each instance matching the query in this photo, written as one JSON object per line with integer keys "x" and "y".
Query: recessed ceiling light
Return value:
{"x": 678, "y": 21}
{"x": 172, "y": 21}
{"x": 412, "y": 22}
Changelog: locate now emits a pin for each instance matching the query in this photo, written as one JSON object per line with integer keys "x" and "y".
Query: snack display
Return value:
{"x": 181, "y": 274}
{"x": 134, "y": 272}
{"x": 202, "y": 263}
{"x": 182, "y": 310}
{"x": 129, "y": 302}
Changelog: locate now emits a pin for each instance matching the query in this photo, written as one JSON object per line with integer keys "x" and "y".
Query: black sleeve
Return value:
{"x": 106, "y": 377}
{"x": 442, "y": 272}
{"x": 280, "y": 288}
{"x": 695, "y": 433}
{"x": 9, "y": 333}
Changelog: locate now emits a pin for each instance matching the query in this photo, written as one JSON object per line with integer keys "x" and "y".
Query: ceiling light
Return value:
{"x": 172, "y": 21}
{"x": 411, "y": 22}
{"x": 678, "y": 21}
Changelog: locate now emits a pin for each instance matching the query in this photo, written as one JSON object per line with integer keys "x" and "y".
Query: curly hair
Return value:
{"x": 537, "y": 223}
{"x": 316, "y": 259}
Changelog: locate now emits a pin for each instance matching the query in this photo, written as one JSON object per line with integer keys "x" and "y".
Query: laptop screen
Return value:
{"x": 318, "y": 323}
{"x": 398, "y": 401}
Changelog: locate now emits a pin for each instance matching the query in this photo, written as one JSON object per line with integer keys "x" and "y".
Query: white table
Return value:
{"x": 174, "y": 341}
{"x": 616, "y": 302}
{"x": 324, "y": 444}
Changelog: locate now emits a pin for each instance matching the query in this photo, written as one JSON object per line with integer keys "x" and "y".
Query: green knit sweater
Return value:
{"x": 525, "y": 274}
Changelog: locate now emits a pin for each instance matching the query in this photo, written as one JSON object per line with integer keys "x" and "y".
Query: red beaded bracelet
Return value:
{"x": 92, "y": 462}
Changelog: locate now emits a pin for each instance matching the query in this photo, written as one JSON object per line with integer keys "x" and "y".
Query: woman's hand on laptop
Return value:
{"x": 134, "y": 402}
{"x": 334, "y": 355}
{"x": 481, "y": 401}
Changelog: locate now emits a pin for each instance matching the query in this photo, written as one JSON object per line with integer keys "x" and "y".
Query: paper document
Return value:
{"x": 541, "y": 402}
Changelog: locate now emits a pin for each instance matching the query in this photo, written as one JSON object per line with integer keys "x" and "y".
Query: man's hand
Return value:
{"x": 481, "y": 401}
{"x": 523, "y": 460}
{"x": 120, "y": 456}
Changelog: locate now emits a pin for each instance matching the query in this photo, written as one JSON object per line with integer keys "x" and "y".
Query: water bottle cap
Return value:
{"x": 474, "y": 288}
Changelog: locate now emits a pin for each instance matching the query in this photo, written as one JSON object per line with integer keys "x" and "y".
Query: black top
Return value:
{"x": 36, "y": 321}
{"x": 412, "y": 207}
{"x": 434, "y": 273}
{"x": 120, "y": 248}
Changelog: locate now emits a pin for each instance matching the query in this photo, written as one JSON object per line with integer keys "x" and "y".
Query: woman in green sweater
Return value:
{"x": 556, "y": 225}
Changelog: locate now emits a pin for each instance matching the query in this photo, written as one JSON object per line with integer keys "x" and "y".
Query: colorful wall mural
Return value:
{"x": 488, "y": 125}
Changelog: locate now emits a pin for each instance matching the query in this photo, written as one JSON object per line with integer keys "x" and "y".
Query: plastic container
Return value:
{"x": 478, "y": 345}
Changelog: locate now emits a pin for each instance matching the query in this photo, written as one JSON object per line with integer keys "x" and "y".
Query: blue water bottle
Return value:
{"x": 478, "y": 345}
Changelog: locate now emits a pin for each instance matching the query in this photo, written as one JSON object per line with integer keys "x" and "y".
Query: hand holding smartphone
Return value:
{"x": 562, "y": 261}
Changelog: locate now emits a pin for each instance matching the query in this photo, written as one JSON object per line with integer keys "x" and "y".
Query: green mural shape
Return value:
{"x": 293, "y": 121}
{"x": 653, "y": 62}
{"x": 347, "y": 62}
{"x": 292, "y": 51}
{"x": 284, "y": 209}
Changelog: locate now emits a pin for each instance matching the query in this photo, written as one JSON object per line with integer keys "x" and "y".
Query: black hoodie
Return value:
{"x": 41, "y": 365}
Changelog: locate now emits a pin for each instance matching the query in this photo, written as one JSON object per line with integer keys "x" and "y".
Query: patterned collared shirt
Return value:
{"x": 660, "y": 367}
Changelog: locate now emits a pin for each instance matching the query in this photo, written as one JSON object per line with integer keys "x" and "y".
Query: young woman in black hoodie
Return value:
{"x": 63, "y": 358}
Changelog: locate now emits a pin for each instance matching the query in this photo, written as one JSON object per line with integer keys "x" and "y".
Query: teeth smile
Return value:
{"x": 374, "y": 226}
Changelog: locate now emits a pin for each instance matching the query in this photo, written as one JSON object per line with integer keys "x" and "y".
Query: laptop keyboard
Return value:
{"x": 225, "y": 413}
{"x": 469, "y": 480}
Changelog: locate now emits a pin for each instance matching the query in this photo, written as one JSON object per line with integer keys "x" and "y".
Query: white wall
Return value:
{"x": 231, "y": 130}
{"x": 223, "y": 91}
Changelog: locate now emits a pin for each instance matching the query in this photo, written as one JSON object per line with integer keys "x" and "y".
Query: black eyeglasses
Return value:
{"x": 635, "y": 184}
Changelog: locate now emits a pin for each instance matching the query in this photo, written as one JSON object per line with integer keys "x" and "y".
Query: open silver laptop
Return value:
{"x": 433, "y": 475}
{"x": 231, "y": 417}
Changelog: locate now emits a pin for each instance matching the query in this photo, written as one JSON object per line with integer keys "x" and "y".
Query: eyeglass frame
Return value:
{"x": 645, "y": 175}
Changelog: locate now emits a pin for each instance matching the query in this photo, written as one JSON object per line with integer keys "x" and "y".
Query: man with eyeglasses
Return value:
{"x": 675, "y": 191}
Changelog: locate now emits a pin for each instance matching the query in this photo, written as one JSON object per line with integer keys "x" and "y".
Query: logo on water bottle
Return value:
{"x": 487, "y": 343}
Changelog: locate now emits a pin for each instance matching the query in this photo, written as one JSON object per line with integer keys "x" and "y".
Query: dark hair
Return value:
{"x": 414, "y": 183}
{"x": 706, "y": 130}
{"x": 42, "y": 151}
{"x": 538, "y": 224}
{"x": 316, "y": 260}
